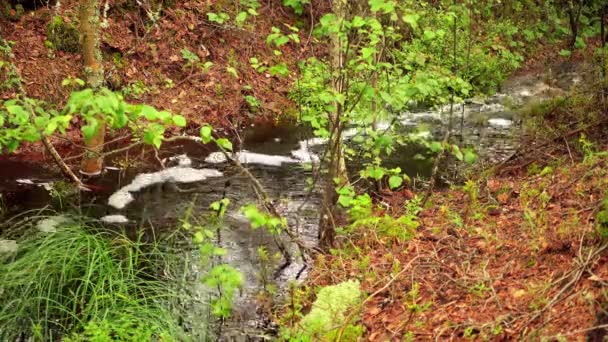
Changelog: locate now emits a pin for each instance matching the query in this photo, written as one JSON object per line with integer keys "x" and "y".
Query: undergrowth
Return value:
{"x": 89, "y": 285}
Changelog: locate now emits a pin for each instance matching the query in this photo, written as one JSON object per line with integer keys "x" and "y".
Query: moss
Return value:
{"x": 62, "y": 36}
{"x": 601, "y": 221}
{"x": 325, "y": 320}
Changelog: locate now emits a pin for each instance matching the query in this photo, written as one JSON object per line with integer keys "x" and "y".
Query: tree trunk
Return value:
{"x": 92, "y": 162}
{"x": 574, "y": 17}
{"x": 336, "y": 166}
{"x": 603, "y": 59}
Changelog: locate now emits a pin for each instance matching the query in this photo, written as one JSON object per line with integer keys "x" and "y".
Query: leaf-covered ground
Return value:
{"x": 501, "y": 258}
{"x": 144, "y": 59}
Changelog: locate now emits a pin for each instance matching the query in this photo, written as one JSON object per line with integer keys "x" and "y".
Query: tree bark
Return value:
{"x": 92, "y": 162}
{"x": 336, "y": 165}
{"x": 574, "y": 15}
{"x": 603, "y": 18}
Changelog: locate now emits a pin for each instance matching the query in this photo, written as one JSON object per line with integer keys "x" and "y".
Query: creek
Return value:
{"x": 144, "y": 195}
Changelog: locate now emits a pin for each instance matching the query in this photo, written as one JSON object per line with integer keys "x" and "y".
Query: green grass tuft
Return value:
{"x": 86, "y": 284}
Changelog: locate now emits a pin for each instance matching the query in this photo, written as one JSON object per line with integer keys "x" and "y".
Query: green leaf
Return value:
{"x": 241, "y": 18}
{"x": 88, "y": 131}
{"x": 255, "y": 217}
{"x": 179, "y": 121}
{"x": 149, "y": 112}
{"x": 345, "y": 201}
{"x": 206, "y": 134}
{"x": 375, "y": 172}
{"x": 457, "y": 152}
{"x": 470, "y": 157}
{"x": 357, "y": 22}
{"x": 395, "y": 182}
{"x": 224, "y": 143}
{"x": 436, "y": 147}
{"x": 412, "y": 19}
{"x": 50, "y": 128}
{"x": 164, "y": 116}
{"x": 232, "y": 71}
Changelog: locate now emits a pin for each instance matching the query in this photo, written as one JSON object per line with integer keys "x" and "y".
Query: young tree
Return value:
{"x": 575, "y": 8}
{"x": 336, "y": 168}
{"x": 92, "y": 162}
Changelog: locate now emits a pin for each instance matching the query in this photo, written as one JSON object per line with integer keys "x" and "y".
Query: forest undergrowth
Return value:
{"x": 517, "y": 252}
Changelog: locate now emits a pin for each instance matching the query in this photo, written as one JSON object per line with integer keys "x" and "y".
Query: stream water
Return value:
{"x": 148, "y": 196}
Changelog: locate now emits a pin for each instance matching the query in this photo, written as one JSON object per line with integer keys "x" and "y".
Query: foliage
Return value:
{"x": 296, "y": 5}
{"x": 253, "y": 103}
{"x": 227, "y": 280}
{"x": 19, "y": 124}
{"x": 218, "y": 18}
{"x": 601, "y": 220}
{"x": 328, "y": 314}
{"x": 223, "y": 278}
{"x": 260, "y": 219}
{"x": 9, "y": 79}
{"x": 62, "y": 36}
{"x": 361, "y": 213}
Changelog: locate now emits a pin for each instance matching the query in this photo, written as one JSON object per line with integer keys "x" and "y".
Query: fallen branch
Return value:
{"x": 582, "y": 265}
{"x": 563, "y": 137}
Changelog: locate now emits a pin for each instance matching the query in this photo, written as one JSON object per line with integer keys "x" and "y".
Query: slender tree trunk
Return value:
{"x": 92, "y": 162}
{"x": 574, "y": 15}
{"x": 603, "y": 59}
{"x": 336, "y": 165}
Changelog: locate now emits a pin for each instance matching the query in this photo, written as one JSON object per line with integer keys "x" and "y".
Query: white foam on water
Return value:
{"x": 50, "y": 224}
{"x": 500, "y": 123}
{"x": 48, "y": 186}
{"x": 492, "y": 107}
{"x": 8, "y": 246}
{"x": 178, "y": 174}
{"x": 303, "y": 154}
{"x": 182, "y": 160}
{"x": 245, "y": 157}
{"x": 114, "y": 219}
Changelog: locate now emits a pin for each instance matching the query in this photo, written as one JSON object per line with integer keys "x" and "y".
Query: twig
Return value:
{"x": 45, "y": 140}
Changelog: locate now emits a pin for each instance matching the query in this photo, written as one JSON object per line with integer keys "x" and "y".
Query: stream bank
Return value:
{"x": 140, "y": 197}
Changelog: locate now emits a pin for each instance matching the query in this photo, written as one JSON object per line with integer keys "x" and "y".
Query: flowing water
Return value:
{"x": 145, "y": 195}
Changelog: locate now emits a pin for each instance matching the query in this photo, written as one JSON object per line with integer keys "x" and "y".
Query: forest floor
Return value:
{"x": 512, "y": 254}
{"x": 144, "y": 60}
